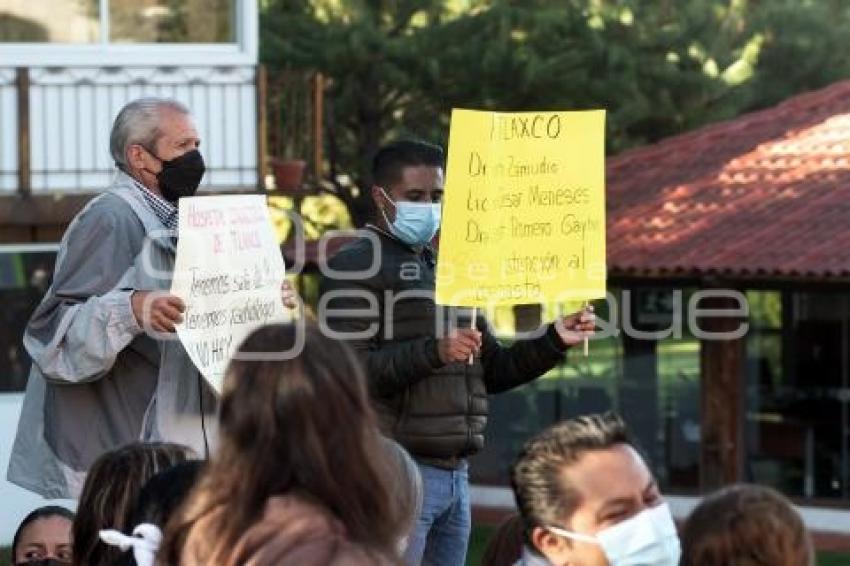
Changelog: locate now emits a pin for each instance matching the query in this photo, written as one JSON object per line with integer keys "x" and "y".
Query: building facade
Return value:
{"x": 66, "y": 68}
{"x": 742, "y": 225}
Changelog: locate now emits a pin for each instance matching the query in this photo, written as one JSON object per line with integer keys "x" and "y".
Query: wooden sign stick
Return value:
{"x": 585, "y": 338}
{"x": 472, "y": 326}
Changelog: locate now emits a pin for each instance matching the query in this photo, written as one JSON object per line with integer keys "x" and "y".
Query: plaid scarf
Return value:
{"x": 164, "y": 210}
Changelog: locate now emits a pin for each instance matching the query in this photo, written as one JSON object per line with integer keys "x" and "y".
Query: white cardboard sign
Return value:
{"x": 228, "y": 271}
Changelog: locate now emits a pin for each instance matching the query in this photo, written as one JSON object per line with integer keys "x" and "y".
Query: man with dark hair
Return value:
{"x": 587, "y": 498}
{"x": 378, "y": 292}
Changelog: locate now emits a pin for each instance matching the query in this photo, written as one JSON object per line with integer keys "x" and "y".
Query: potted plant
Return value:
{"x": 291, "y": 139}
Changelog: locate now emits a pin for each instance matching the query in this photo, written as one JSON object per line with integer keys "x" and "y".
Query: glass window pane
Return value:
{"x": 49, "y": 21}
{"x": 798, "y": 398}
{"x": 24, "y": 278}
{"x": 653, "y": 383}
{"x": 680, "y": 431}
{"x": 172, "y": 21}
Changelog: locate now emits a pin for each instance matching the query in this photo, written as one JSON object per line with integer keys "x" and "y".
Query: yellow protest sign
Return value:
{"x": 524, "y": 209}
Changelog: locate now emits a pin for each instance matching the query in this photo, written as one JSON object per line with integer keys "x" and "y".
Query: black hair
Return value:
{"x": 45, "y": 512}
{"x": 159, "y": 498}
{"x": 388, "y": 162}
{"x": 164, "y": 492}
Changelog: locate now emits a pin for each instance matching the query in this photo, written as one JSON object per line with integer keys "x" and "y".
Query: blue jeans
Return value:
{"x": 441, "y": 534}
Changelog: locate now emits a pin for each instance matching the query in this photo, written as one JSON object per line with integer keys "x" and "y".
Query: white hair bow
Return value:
{"x": 144, "y": 542}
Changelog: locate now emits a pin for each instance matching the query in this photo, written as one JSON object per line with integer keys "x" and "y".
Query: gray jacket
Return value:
{"x": 531, "y": 558}
{"x": 97, "y": 380}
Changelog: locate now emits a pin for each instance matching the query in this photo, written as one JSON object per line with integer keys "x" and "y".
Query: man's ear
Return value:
{"x": 136, "y": 157}
{"x": 557, "y": 550}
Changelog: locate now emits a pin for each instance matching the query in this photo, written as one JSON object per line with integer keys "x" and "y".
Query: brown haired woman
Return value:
{"x": 746, "y": 525}
{"x": 110, "y": 492}
{"x": 301, "y": 475}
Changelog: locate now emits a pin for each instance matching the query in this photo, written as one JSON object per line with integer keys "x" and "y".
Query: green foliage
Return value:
{"x": 658, "y": 68}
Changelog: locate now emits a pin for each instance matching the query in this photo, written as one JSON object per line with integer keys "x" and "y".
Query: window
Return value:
{"x": 49, "y": 21}
{"x": 167, "y": 21}
{"x": 798, "y": 392}
{"x": 653, "y": 382}
{"x": 25, "y": 274}
{"x": 123, "y": 33}
{"x": 129, "y": 21}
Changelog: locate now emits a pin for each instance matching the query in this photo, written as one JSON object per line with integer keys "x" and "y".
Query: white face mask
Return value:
{"x": 647, "y": 539}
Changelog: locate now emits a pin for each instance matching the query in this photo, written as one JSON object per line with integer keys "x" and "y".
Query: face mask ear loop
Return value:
{"x": 152, "y": 154}
{"x": 573, "y": 536}
{"x": 384, "y": 212}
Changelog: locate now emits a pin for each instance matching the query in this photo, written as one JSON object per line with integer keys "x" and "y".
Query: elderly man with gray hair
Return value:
{"x": 102, "y": 374}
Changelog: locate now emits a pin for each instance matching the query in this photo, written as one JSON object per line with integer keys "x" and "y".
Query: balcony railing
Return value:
{"x": 55, "y": 123}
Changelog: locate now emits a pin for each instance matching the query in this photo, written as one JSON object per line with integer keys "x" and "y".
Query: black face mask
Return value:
{"x": 44, "y": 562}
{"x": 180, "y": 176}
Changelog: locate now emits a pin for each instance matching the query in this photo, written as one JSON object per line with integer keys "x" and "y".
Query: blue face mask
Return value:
{"x": 416, "y": 223}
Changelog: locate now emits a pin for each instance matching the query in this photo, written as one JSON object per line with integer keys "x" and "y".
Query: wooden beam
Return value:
{"x": 318, "y": 124}
{"x": 722, "y": 398}
{"x": 41, "y": 210}
{"x": 262, "y": 126}
{"x": 15, "y": 235}
{"x": 23, "y": 99}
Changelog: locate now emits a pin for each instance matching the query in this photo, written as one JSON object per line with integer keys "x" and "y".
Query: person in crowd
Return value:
{"x": 301, "y": 474}
{"x": 159, "y": 499}
{"x": 163, "y": 494}
{"x": 105, "y": 372}
{"x": 505, "y": 546}
{"x": 44, "y": 538}
{"x": 406, "y": 489}
{"x": 587, "y": 498}
{"x": 378, "y": 293}
{"x": 746, "y": 525}
{"x": 110, "y": 494}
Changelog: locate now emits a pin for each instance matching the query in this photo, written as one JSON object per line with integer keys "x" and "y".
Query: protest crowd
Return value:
{"x": 351, "y": 449}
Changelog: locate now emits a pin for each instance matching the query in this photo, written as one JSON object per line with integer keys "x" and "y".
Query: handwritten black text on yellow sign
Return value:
{"x": 524, "y": 209}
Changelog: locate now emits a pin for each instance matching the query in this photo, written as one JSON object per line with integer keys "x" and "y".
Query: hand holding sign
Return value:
{"x": 576, "y": 328}
{"x": 156, "y": 310}
{"x": 288, "y": 295}
{"x": 459, "y": 345}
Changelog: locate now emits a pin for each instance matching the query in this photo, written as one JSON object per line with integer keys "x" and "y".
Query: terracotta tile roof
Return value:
{"x": 764, "y": 195}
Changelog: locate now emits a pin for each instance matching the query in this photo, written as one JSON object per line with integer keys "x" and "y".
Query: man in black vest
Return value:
{"x": 378, "y": 293}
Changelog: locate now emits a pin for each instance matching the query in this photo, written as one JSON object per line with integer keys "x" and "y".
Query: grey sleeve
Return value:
{"x": 85, "y": 320}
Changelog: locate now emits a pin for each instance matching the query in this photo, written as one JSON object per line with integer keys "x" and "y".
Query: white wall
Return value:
{"x": 16, "y": 502}
{"x": 8, "y": 129}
